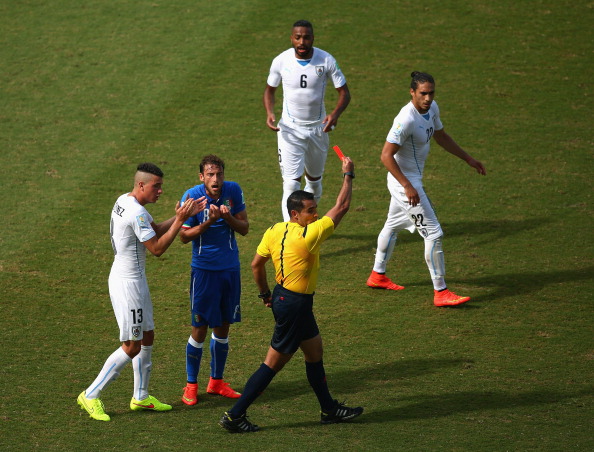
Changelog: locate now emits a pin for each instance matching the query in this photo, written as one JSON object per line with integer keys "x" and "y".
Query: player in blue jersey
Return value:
{"x": 215, "y": 285}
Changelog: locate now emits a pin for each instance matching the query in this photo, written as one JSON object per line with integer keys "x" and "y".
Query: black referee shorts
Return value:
{"x": 295, "y": 321}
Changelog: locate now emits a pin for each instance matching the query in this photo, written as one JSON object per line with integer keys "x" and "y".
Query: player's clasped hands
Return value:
{"x": 225, "y": 212}
{"x": 190, "y": 207}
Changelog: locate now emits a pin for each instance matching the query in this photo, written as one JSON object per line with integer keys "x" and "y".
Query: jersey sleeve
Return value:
{"x": 399, "y": 132}
{"x": 436, "y": 118}
{"x": 335, "y": 73}
{"x": 142, "y": 226}
{"x": 238, "y": 200}
{"x": 317, "y": 233}
{"x": 264, "y": 247}
{"x": 274, "y": 77}
{"x": 192, "y": 221}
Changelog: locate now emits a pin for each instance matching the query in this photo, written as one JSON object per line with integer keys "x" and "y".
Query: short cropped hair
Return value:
{"x": 295, "y": 200}
{"x": 420, "y": 77}
{"x": 211, "y": 160}
{"x": 304, "y": 23}
{"x": 150, "y": 168}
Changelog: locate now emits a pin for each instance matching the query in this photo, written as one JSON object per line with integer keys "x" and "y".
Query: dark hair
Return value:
{"x": 150, "y": 168}
{"x": 295, "y": 200}
{"x": 211, "y": 160}
{"x": 420, "y": 77}
{"x": 304, "y": 23}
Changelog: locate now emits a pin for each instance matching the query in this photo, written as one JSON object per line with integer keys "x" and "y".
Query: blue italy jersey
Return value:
{"x": 216, "y": 248}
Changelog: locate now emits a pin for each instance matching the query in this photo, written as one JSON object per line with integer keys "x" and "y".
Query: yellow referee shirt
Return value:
{"x": 295, "y": 252}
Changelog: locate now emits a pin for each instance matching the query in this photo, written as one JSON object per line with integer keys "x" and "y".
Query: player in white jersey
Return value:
{"x": 404, "y": 155}
{"x": 133, "y": 231}
{"x": 303, "y": 141}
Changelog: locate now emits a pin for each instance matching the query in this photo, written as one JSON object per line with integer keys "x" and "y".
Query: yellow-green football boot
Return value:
{"x": 94, "y": 407}
{"x": 150, "y": 403}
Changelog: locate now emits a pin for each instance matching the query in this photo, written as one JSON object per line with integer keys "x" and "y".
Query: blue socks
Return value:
{"x": 219, "y": 349}
{"x": 193, "y": 358}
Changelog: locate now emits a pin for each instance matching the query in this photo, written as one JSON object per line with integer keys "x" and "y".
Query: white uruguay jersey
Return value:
{"x": 304, "y": 86}
{"x": 130, "y": 226}
{"x": 412, "y": 131}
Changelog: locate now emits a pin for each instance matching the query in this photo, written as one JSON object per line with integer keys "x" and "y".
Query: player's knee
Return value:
{"x": 131, "y": 348}
{"x": 314, "y": 186}
{"x": 291, "y": 185}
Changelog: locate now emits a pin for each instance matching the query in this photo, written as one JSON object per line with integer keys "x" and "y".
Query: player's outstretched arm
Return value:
{"x": 343, "y": 201}
{"x": 164, "y": 237}
{"x": 448, "y": 143}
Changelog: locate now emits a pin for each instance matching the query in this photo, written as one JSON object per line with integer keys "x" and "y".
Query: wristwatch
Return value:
{"x": 349, "y": 173}
{"x": 264, "y": 295}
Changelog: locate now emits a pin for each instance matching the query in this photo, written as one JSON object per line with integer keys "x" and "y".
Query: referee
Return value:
{"x": 294, "y": 248}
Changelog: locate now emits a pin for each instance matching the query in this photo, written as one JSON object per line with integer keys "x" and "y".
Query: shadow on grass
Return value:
{"x": 500, "y": 228}
{"x": 345, "y": 380}
{"x": 518, "y": 284}
{"x": 431, "y": 406}
{"x": 427, "y": 406}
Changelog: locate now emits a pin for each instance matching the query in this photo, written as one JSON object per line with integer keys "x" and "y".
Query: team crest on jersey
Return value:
{"x": 136, "y": 331}
{"x": 397, "y": 130}
{"x": 320, "y": 70}
{"x": 228, "y": 202}
{"x": 142, "y": 222}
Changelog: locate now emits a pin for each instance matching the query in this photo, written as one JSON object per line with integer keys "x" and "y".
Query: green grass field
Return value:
{"x": 89, "y": 90}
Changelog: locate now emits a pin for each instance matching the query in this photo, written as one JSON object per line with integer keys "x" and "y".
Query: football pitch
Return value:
{"x": 90, "y": 89}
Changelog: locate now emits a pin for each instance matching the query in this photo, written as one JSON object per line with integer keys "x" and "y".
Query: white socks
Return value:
{"x": 289, "y": 186}
{"x": 111, "y": 370}
{"x": 386, "y": 240}
{"x": 314, "y": 187}
{"x": 435, "y": 262}
{"x": 142, "y": 364}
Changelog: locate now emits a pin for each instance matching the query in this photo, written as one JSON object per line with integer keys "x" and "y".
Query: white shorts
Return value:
{"x": 302, "y": 148}
{"x": 401, "y": 215}
{"x": 132, "y": 306}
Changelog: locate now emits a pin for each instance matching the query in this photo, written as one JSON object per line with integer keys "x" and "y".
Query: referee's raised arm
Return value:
{"x": 343, "y": 201}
